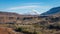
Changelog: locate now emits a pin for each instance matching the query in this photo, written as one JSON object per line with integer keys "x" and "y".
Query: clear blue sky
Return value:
{"x": 28, "y": 6}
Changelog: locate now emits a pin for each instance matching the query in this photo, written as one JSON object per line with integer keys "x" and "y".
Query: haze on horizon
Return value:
{"x": 27, "y": 6}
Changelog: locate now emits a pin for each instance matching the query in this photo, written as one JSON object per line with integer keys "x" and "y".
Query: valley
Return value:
{"x": 13, "y": 23}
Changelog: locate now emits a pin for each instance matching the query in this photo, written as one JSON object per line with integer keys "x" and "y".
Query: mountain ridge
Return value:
{"x": 52, "y": 11}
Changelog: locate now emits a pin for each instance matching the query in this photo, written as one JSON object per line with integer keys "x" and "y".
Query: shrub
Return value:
{"x": 54, "y": 27}
{"x": 18, "y": 29}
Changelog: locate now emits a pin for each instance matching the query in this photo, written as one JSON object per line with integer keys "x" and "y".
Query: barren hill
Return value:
{"x": 8, "y": 17}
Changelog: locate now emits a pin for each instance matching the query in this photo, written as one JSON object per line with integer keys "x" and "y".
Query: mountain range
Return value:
{"x": 52, "y": 11}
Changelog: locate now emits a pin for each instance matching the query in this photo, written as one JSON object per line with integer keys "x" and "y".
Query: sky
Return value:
{"x": 28, "y": 6}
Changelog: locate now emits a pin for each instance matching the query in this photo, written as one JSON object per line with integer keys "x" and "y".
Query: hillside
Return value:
{"x": 52, "y": 11}
{"x": 8, "y": 17}
{"x": 49, "y": 23}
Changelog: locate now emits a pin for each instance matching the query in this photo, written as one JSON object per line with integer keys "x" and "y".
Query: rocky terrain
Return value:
{"x": 46, "y": 23}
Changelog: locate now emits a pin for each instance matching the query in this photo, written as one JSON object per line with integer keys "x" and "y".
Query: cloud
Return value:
{"x": 33, "y": 3}
{"x": 27, "y": 7}
{"x": 30, "y": 8}
{"x": 21, "y": 7}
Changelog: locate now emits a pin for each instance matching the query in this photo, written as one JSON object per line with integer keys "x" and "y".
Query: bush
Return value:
{"x": 24, "y": 31}
{"x": 18, "y": 29}
{"x": 54, "y": 27}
